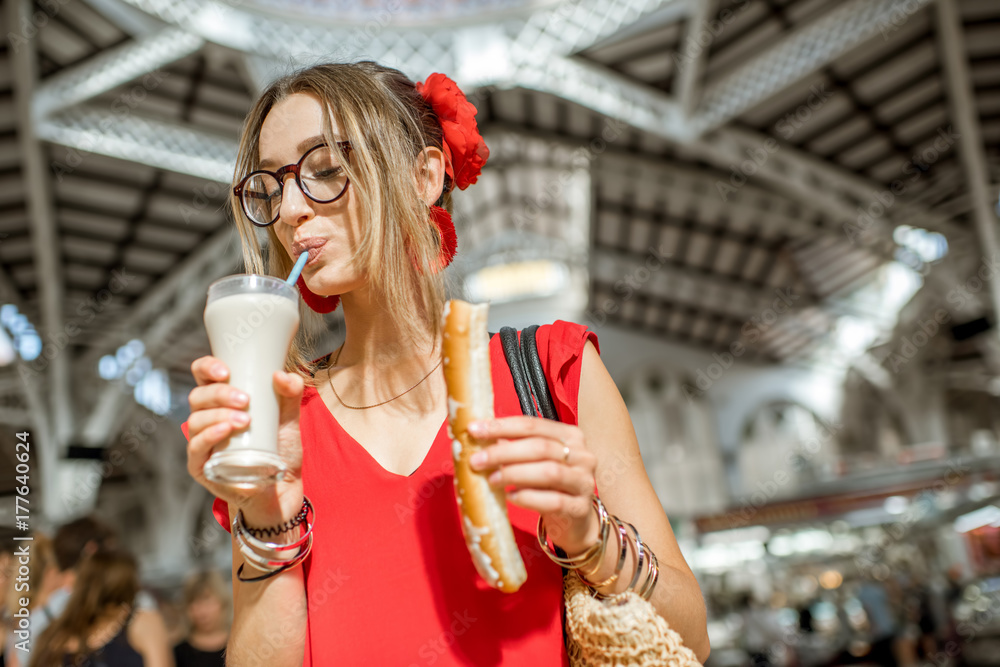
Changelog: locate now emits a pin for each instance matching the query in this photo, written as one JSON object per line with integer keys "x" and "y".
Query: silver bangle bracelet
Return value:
{"x": 261, "y": 545}
{"x": 647, "y": 588}
{"x": 266, "y": 560}
{"x": 264, "y": 555}
{"x": 640, "y": 556}
{"x": 584, "y": 559}
{"x": 623, "y": 546}
{"x": 240, "y": 527}
{"x": 266, "y": 565}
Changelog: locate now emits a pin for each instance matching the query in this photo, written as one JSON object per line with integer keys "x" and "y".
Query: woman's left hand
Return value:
{"x": 546, "y": 467}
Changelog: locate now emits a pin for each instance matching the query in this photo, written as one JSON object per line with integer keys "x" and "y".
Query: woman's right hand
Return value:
{"x": 217, "y": 412}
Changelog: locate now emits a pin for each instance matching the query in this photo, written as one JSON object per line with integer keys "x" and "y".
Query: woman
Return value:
{"x": 361, "y": 162}
{"x": 206, "y": 603}
{"x": 97, "y": 626}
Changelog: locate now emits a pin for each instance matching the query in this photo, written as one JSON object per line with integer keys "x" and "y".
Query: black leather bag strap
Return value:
{"x": 512, "y": 353}
{"x": 536, "y": 374}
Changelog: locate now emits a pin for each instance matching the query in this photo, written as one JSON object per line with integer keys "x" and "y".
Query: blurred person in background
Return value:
{"x": 761, "y": 633}
{"x": 883, "y": 626}
{"x": 209, "y": 612}
{"x": 174, "y": 620}
{"x": 100, "y": 625}
{"x": 73, "y": 544}
{"x": 952, "y": 640}
{"x": 43, "y": 581}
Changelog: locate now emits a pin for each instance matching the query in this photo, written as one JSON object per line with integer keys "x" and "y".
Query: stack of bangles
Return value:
{"x": 588, "y": 563}
{"x": 272, "y": 557}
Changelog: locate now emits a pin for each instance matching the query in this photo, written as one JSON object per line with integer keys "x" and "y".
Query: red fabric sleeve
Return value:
{"x": 560, "y": 346}
{"x": 220, "y": 508}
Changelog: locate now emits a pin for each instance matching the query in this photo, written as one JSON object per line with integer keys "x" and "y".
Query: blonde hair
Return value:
{"x": 379, "y": 111}
{"x": 204, "y": 584}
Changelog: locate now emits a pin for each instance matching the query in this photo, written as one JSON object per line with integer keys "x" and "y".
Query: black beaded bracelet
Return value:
{"x": 283, "y": 528}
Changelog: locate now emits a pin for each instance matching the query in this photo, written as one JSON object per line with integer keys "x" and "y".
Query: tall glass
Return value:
{"x": 251, "y": 321}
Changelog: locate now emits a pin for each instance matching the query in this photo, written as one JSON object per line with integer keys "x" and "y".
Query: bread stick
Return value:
{"x": 487, "y": 529}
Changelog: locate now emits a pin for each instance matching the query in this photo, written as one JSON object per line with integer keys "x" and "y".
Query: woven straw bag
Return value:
{"x": 623, "y": 631}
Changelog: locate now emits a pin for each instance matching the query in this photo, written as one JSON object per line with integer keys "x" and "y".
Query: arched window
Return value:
{"x": 678, "y": 443}
{"x": 785, "y": 447}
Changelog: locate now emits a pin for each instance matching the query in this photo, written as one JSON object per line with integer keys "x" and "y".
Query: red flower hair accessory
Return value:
{"x": 465, "y": 151}
{"x": 446, "y": 232}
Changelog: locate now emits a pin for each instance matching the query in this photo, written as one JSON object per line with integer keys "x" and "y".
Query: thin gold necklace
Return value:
{"x": 329, "y": 377}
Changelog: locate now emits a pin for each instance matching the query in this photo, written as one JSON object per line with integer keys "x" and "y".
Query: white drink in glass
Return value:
{"x": 251, "y": 321}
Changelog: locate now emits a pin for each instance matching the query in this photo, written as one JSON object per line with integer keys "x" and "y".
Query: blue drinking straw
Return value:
{"x": 297, "y": 269}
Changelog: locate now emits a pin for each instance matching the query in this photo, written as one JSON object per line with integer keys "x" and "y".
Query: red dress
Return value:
{"x": 390, "y": 580}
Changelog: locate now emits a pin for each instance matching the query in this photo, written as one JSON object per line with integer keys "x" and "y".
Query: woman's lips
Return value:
{"x": 314, "y": 254}
{"x": 313, "y": 246}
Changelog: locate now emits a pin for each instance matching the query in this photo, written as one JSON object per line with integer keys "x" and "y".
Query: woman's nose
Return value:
{"x": 295, "y": 207}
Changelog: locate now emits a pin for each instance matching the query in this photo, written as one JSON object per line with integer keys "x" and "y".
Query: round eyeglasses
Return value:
{"x": 318, "y": 174}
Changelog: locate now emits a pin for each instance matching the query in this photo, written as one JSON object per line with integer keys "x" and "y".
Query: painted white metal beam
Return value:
{"x": 415, "y": 51}
{"x": 687, "y": 81}
{"x": 573, "y": 26}
{"x": 156, "y": 143}
{"x": 971, "y": 148}
{"x": 129, "y": 20}
{"x": 598, "y": 89}
{"x": 802, "y": 52}
{"x": 53, "y": 419}
{"x": 114, "y": 67}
